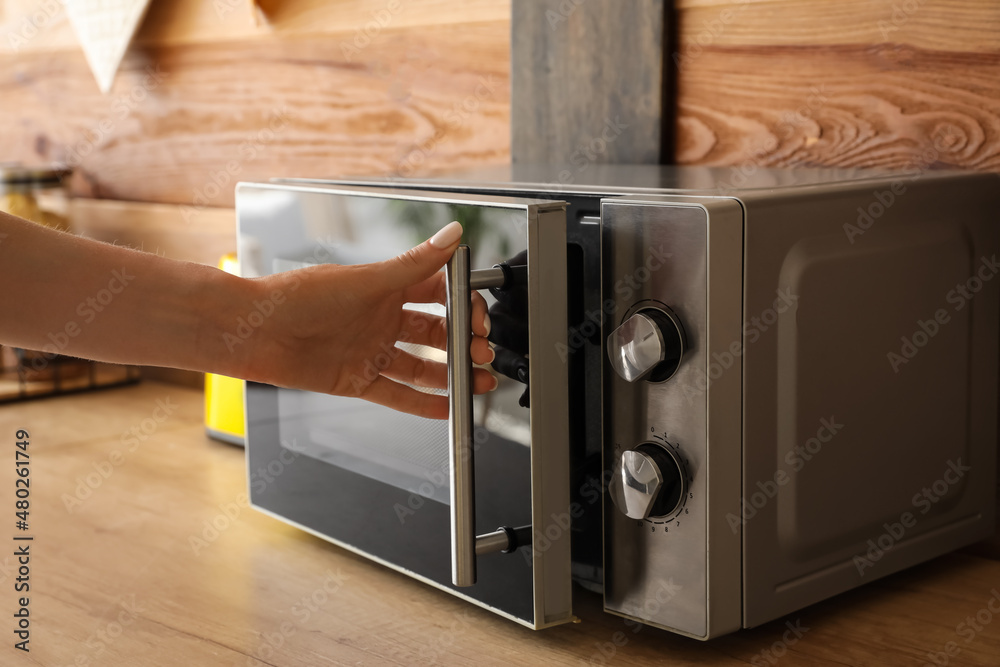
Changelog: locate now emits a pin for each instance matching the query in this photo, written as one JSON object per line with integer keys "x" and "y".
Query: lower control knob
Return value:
{"x": 647, "y": 482}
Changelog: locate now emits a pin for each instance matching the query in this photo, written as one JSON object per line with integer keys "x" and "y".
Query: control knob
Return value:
{"x": 650, "y": 344}
{"x": 647, "y": 481}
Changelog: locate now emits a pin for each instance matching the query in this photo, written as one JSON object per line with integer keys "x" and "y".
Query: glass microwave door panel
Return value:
{"x": 366, "y": 477}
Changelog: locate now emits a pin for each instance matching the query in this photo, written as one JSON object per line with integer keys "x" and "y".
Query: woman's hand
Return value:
{"x": 325, "y": 328}
{"x": 333, "y": 329}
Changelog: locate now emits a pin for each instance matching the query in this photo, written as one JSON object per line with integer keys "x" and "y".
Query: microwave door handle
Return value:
{"x": 460, "y": 281}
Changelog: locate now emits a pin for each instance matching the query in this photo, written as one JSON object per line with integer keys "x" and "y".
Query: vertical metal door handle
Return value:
{"x": 460, "y": 281}
{"x": 463, "y": 484}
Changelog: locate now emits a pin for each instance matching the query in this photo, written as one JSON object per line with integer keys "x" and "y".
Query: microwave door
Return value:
{"x": 379, "y": 482}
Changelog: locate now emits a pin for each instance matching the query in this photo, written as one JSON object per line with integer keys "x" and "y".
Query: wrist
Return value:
{"x": 229, "y": 327}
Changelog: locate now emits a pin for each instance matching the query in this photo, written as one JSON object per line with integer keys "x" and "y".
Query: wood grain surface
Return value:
{"x": 119, "y": 576}
{"x": 185, "y": 122}
{"x": 194, "y": 235}
{"x": 40, "y": 25}
{"x": 939, "y": 25}
{"x": 589, "y": 82}
{"x": 872, "y": 84}
{"x": 769, "y": 82}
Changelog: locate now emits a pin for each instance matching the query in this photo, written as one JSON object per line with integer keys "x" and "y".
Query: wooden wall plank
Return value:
{"x": 173, "y": 231}
{"x": 303, "y": 16}
{"x": 41, "y": 25}
{"x": 866, "y": 106}
{"x": 971, "y": 26}
{"x": 412, "y": 101}
{"x": 949, "y": 25}
{"x": 876, "y": 83}
{"x": 582, "y": 93}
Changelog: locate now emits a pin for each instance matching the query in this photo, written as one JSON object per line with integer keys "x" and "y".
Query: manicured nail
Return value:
{"x": 447, "y": 235}
{"x": 486, "y": 321}
{"x": 493, "y": 355}
{"x": 496, "y": 383}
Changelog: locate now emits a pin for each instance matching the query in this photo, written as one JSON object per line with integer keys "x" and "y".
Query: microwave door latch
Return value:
{"x": 460, "y": 281}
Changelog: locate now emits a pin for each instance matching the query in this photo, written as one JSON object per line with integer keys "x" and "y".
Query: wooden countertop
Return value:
{"x": 119, "y": 576}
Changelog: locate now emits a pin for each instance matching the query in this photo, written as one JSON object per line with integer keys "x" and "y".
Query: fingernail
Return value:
{"x": 486, "y": 321}
{"x": 496, "y": 383}
{"x": 493, "y": 355}
{"x": 447, "y": 235}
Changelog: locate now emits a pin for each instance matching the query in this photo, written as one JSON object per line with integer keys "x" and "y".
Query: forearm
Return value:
{"x": 63, "y": 294}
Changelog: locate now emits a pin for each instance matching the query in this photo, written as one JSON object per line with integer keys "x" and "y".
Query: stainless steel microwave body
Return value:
{"x": 747, "y": 390}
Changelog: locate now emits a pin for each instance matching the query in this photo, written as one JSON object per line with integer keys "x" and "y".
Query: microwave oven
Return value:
{"x": 734, "y": 392}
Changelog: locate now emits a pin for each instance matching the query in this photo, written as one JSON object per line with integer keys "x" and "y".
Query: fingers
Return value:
{"x": 431, "y": 330}
{"x": 422, "y": 372}
{"x": 424, "y": 329}
{"x": 421, "y": 262}
{"x": 432, "y": 290}
{"x": 429, "y": 290}
{"x": 384, "y": 391}
{"x": 481, "y": 351}
{"x": 480, "y": 315}
{"x": 510, "y": 331}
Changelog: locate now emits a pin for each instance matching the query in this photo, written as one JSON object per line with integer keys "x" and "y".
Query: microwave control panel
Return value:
{"x": 659, "y": 382}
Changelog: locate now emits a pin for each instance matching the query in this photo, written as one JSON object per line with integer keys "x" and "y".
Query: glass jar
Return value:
{"x": 38, "y": 194}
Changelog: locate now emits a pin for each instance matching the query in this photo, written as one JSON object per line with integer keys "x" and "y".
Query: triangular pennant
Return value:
{"x": 105, "y": 28}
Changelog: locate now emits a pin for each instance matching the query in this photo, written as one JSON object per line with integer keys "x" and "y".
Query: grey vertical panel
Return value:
{"x": 590, "y": 83}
